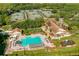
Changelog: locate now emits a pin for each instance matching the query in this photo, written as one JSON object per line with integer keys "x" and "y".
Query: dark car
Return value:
{"x": 67, "y": 42}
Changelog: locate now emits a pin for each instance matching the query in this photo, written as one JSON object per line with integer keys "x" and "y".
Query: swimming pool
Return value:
{"x": 29, "y": 40}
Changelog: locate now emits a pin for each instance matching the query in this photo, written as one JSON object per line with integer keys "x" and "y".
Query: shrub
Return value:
{"x": 7, "y": 27}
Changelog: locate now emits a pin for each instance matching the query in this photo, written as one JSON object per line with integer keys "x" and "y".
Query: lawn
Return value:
{"x": 58, "y": 51}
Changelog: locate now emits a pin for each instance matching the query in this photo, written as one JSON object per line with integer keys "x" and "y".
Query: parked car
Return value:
{"x": 67, "y": 43}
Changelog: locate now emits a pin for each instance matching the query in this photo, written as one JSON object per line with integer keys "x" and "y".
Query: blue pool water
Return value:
{"x": 30, "y": 40}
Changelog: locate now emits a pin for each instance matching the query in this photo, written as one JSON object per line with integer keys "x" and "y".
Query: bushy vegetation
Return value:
{"x": 28, "y": 24}
{"x": 7, "y": 27}
{"x": 33, "y": 30}
{"x": 3, "y": 37}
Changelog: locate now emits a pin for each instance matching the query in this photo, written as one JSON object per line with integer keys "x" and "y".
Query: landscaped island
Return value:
{"x": 39, "y": 29}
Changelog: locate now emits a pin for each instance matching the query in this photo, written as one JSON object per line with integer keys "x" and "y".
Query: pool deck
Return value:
{"x": 16, "y": 47}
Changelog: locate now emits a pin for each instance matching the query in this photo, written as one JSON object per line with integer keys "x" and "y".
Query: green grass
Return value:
{"x": 33, "y": 30}
{"x": 54, "y": 52}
